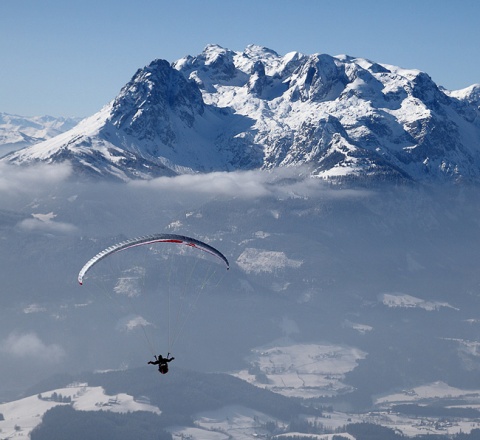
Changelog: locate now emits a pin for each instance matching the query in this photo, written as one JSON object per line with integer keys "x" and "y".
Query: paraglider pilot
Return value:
{"x": 162, "y": 363}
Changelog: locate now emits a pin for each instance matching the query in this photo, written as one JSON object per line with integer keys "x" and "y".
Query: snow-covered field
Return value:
{"x": 232, "y": 422}
{"x": 435, "y": 390}
{"x": 259, "y": 260}
{"x": 301, "y": 370}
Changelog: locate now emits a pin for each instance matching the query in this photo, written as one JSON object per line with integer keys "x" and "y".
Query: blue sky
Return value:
{"x": 69, "y": 58}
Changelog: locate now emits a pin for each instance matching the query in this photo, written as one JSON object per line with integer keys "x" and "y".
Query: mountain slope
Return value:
{"x": 342, "y": 116}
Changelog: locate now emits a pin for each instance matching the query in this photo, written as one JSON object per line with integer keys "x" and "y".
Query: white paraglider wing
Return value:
{"x": 151, "y": 239}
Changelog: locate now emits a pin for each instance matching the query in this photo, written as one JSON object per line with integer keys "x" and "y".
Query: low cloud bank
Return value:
{"x": 281, "y": 182}
{"x": 16, "y": 179}
{"x": 30, "y": 346}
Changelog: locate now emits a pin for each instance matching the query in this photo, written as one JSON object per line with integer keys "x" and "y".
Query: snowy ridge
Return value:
{"x": 345, "y": 117}
{"x": 22, "y": 416}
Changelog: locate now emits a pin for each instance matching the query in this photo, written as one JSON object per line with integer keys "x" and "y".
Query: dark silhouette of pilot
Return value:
{"x": 162, "y": 363}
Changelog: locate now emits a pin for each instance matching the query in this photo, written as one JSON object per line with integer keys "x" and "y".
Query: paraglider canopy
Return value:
{"x": 150, "y": 239}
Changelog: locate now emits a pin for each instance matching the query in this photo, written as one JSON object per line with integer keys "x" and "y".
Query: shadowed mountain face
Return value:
{"x": 345, "y": 118}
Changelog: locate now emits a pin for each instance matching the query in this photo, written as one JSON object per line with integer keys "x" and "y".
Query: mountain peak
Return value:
{"x": 259, "y": 52}
{"x": 144, "y": 103}
{"x": 213, "y": 51}
{"x": 345, "y": 117}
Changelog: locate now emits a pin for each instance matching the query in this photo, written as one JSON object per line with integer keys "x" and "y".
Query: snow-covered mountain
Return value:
{"x": 344, "y": 117}
{"x": 18, "y": 132}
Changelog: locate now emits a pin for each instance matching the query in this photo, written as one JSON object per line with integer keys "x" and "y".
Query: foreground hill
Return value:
{"x": 139, "y": 403}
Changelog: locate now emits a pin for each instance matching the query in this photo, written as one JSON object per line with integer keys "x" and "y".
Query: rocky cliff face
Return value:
{"x": 345, "y": 118}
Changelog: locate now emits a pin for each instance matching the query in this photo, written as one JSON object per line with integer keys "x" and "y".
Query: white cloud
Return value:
{"x": 281, "y": 182}
{"x": 46, "y": 225}
{"x": 130, "y": 323}
{"x": 16, "y": 179}
{"x": 29, "y": 345}
{"x": 240, "y": 184}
